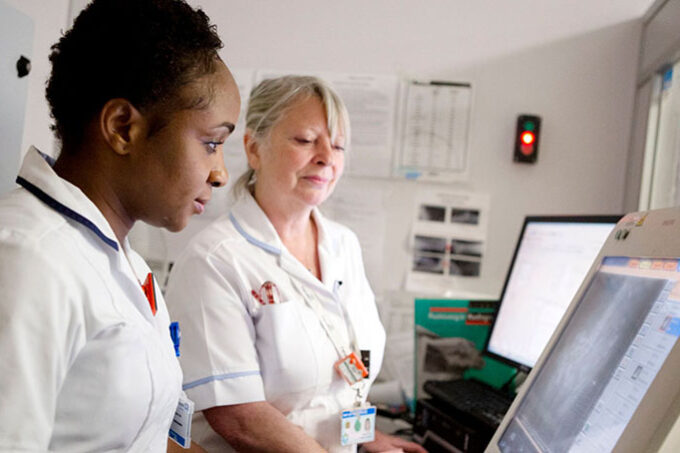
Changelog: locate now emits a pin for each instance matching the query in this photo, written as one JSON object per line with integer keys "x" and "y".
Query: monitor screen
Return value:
{"x": 552, "y": 258}
{"x": 603, "y": 362}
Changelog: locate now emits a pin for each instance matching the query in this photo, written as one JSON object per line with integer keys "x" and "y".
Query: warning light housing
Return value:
{"x": 526, "y": 138}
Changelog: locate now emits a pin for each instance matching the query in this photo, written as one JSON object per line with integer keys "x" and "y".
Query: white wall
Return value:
{"x": 49, "y": 19}
{"x": 574, "y": 65}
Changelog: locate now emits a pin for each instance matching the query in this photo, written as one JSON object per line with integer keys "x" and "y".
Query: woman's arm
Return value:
{"x": 259, "y": 427}
{"x": 386, "y": 443}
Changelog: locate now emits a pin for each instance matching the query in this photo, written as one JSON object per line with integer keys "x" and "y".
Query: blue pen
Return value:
{"x": 176, "y": 336}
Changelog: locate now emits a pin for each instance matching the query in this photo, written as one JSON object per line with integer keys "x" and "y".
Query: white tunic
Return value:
{"x": 85, "y": 364}
{"x": 236, "y": 350}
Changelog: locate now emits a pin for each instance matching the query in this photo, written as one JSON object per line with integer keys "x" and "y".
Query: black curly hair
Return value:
{"x": 140, "y": 50}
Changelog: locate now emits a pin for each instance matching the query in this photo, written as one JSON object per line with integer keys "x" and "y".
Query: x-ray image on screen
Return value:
{"x": 600, "y": 331}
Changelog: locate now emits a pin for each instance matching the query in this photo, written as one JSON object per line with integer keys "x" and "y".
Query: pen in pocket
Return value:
{"x": 258, "y": 299}
{"x": 269, "y": 293}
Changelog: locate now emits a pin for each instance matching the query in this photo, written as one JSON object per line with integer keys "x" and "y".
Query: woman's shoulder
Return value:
{"x": 215, "y": 236}
{"x": 220, "y": 243}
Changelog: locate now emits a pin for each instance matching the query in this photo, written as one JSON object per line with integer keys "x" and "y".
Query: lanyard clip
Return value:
{"x": 358, "y": 400}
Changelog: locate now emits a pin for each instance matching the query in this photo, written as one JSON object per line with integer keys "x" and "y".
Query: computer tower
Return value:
{"x": 438, "y": 430}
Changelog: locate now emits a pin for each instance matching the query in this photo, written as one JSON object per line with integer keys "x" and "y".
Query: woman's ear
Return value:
{"x": 121, "y": 124}
{"x": 252, "y": 148}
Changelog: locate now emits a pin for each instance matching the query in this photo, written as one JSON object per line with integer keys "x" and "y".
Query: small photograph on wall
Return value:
{"x": 464, "y": 268}
{"x": 430, "y": 264}
{"x": 429, "y": 213}
{"x": 466, "y": 216}
{"x": 430, "y": 244}
{"x": 466, "y": 248}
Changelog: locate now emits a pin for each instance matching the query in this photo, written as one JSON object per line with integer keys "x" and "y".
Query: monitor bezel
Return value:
{"x": 609, "y": 218}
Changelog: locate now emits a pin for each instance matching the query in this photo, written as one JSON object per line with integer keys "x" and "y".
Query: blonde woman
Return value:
{"x": 272, "y": 295}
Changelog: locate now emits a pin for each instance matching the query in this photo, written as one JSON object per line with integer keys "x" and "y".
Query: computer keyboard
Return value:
{"x": 472, "y": 397}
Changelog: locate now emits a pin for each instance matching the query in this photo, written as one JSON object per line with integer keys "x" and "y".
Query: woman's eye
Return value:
{"x": 338, "y": 148}
{"x": 302, "y": 140}
{"x": 212, "y": 146}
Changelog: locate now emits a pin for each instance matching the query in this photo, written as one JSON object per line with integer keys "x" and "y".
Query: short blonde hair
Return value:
{"x": 272, "y": 98}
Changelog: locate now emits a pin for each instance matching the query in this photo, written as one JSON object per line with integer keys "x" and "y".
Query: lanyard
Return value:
{"x": 333, "y": 335}
{"x": 315, "y": 305}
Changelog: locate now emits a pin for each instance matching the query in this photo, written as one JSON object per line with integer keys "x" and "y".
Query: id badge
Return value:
{"x": 351, "y": 368}
{"x": 358, "y": 425}
{"x": 180, "y": 430}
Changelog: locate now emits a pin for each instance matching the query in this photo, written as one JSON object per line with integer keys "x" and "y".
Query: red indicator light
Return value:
{"x": 527, "y": 138}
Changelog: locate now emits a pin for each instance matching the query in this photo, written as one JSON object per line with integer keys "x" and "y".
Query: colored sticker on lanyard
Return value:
{"x": 351, "y": 369}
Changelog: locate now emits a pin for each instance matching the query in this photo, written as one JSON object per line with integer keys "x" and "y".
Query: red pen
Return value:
{"x": 270, "y": 293}
{"x": 257, "y": 297}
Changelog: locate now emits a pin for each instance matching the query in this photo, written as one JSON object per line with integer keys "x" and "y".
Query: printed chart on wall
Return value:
{"x": 448, "y": 241}
{"x": 435, "y": 121}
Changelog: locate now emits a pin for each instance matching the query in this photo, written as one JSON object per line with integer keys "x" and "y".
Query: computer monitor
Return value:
{"x": 608, "y": 379}
{"x": 552, "y": 257}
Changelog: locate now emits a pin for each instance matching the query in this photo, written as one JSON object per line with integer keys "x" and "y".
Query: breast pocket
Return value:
{"x": 285, "y": 352}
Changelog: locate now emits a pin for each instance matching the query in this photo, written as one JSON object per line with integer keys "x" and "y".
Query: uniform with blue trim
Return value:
{"x": 236, "y": 349}
{"x": 79, "y": 344}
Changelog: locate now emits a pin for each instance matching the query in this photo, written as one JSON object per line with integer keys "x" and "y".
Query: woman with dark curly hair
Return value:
{"x": 141, "y": 104}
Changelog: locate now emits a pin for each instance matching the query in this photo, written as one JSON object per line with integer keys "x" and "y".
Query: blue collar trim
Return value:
{"x": 54, "y": 204}
{"x": 252, "y": 240}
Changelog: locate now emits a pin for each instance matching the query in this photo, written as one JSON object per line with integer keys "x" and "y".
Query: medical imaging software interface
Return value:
{"x": 613, "y": 345}
{"x": 552, "y": 260}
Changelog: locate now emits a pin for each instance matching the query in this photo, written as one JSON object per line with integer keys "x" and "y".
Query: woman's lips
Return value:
{"x": 317, "y": 179}
{"x": 199, "y": 206}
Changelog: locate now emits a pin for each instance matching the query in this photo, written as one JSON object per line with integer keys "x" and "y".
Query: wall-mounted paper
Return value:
{"x": 371, "y": 101}
{"x": 434, "y": 128}
{"x": 358, "y": 204}
{"x": 448, "y": 241}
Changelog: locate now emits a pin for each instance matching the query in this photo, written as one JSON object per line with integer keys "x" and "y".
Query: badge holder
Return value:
{"x": 180, "y": 430}
{"x": 358, "y": 425}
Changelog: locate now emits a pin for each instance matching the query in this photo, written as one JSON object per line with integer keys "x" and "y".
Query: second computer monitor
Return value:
{"x": 552, "y": 257}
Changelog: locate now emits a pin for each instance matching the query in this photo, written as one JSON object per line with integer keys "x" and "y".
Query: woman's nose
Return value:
{"x": 218, "y": 176}
{"x": 324, "y": 155}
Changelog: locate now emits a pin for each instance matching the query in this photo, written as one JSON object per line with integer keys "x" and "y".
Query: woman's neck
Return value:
{"x": 81, "y": 171}
{"x": 297, "y": 230}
